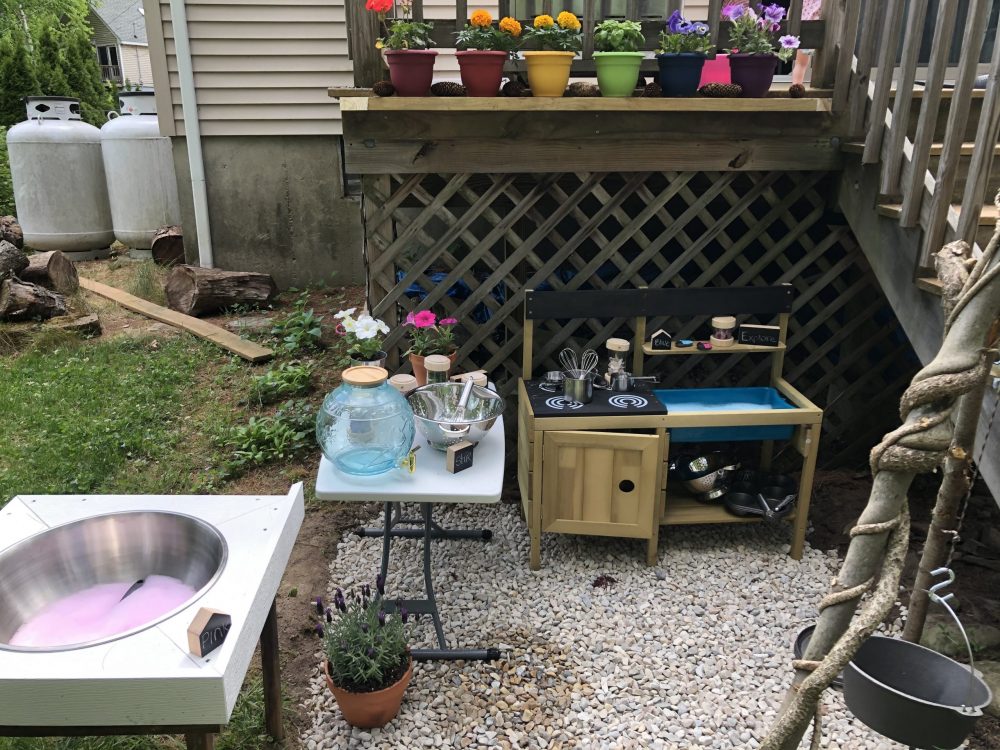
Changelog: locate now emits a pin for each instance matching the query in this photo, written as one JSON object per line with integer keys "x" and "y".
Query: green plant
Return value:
{"x": 561, "y": 34}
{"x": 407, "y": 34}
{"x": 753, "y": 31}
{"x": 684, "y": 36}
{"x": 361, "y": 334}
{"x": 618, "y": 36}
{"x": 288, "y": 433}
{"x": 288, "y": 379}
{"x": 430, "y": 335}
{"x": 6, "y": 185}
{"x": 299, "y": 329}
{"x": 147, "y": 282}
{"x": 479, "y": 33}
{"x": 18, "y": 78}
{"x": 365, "y": 646}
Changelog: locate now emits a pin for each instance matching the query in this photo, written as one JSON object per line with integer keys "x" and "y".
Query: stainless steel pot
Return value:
{"x": 623, "y": 382}
{"x": 439, "y": 418}
{"x": 579, "y": 389}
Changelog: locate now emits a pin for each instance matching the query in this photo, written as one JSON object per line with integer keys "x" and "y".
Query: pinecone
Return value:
{"x": 796, "y": 91}
{"x": 652, "y": 90}
{"x": 447, "y": 88}
{"x": 641, "y": 83}
{"x": 581, "y": 88}
{"x": 514, "y": 87}
{"x": 721, "y": 90}
{"x": 383, "y": 88}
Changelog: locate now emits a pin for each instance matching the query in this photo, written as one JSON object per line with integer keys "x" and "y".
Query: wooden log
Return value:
{"x": 195, "y": 291}
{"x": 20, "y": 300}
{"x": 12, "y": 260}
{"x": 52, "y": 270}
{"x": 88, "y": 326}
{"x": 168, "y": 246}
{"x": 10, "y": 231}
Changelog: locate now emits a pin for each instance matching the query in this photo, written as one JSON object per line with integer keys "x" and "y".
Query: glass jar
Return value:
{"x": 437, "y": 366}
{"x": 365, "y": 426}
{"x": 723, "y": 328}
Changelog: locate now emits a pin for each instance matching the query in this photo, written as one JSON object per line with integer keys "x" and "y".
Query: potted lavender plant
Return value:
{"x": 754, "y": 46}
{"x": 363, "y": 336}
{"x": 684, "y": 45}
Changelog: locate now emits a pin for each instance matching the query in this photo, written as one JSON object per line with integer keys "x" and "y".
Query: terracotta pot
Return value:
{"x": 680, "y": 72}
{"x": 420, "y": 372}
{"x": 370, "y": 710}
{"x": 754, "y": 72}
{"x": 411, "y": 70}
{"x": 481, "y": 71}
{"x": 617, "y": 72}
{"x": 548, "y": 72}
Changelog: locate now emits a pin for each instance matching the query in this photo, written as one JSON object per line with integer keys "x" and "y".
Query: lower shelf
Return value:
{"x": 684, "y": 510}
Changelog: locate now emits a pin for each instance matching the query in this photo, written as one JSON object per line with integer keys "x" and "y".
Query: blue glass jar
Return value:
{"x": 365, "y": 426}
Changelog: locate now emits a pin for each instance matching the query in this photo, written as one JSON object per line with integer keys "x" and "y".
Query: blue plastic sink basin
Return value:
{"x": 701, "y": 400}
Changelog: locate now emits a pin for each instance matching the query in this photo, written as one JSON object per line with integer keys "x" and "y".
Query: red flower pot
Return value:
{"x": 411, "y": 70}
{"x": 481, "y": 70}
{"x": 754, "y": 72}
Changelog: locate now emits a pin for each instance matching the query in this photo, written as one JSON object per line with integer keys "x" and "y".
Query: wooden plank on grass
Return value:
{"x": 248, "y": 350}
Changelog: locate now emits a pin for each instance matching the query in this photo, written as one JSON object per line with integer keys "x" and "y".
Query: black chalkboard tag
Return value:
{"x": 755, "y": 335}
{"x": 459, "y": 456}
{"x": 208, "y": 631}
{"x": 661, "y": 341}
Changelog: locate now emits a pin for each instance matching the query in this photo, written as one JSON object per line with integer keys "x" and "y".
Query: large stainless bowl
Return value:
{"x": 436, "y": 412}
{"x": 110, "y": 548}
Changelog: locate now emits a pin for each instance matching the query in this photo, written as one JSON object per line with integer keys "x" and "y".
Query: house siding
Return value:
{"x": 136, "y": 67}
{"x": 103, "y": 36}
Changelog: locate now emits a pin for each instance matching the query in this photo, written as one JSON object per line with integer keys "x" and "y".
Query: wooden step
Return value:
{"x": 987, "y": 216}
{"x": 930, "y": 284}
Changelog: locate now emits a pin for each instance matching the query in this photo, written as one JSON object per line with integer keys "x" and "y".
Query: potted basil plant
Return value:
{"x": 684, "y": 46}
{"x": 755, "y": 47}
{"x": 405, "y": 45}
{"x": 618, "y": 56}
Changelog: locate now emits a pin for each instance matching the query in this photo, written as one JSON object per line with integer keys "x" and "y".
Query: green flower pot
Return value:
{"x": 617, "y": 72}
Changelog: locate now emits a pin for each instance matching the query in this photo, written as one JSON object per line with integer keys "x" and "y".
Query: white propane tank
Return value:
{"x": 58, "y": 175}
{"x": 140, "y": 170}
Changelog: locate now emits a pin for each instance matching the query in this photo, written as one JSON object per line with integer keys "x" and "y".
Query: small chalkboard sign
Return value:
{"x": 459, "y": 456}
{"x": 208, "y": 631}
{"x": 755, "y": 335}
{"x": 661, "y": 341}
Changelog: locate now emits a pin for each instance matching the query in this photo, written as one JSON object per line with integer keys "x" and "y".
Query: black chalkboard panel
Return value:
{"x": 759, "y": 335}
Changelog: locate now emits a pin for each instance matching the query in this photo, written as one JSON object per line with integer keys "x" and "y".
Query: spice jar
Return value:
{"x": 723, "y": 329}
{"x": 437, "y": 366}
{"x": 403, "y": 382}
{"x": 617, "y": 351}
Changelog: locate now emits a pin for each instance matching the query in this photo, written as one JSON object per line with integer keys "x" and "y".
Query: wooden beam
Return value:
{"x": 824, "y": 69}
{"x": 872, "y": 22}
{"x": 248, "y": 350}
{"x": 583, "y": 104}
{"x": 845, "y": 56}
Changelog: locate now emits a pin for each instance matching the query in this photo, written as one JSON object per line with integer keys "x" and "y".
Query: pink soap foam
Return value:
{"x": 99, "y": 612}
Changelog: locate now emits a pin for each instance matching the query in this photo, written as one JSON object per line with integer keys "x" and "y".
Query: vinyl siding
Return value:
{"x": 103, "y": 36}
{"x": 135, "y": 64}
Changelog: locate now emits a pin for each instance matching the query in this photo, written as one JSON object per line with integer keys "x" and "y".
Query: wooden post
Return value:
{"x": 589, "y": 11}
{"x": 200, "y": 741}
{"x": 795, "y": 17}
{"x": 883, "y": 81}
{"x": 714, "y": 20}
{"x": 271, "y": 669}
{"x": 958, "y": 118}
{"x": 462, "y": 13}
{"x": 825, "y": 63}
{"x": 845, "y": 55}
{"x": 364, "y": 30}
{"x": 871, "y": 23}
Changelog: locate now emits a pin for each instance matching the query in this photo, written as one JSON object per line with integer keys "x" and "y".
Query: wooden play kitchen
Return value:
{"x": 600, "y": 468}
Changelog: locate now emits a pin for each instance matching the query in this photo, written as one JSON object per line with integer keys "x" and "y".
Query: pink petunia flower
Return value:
{"x": 448, "y": 321}
{"x": 423, "y": 319}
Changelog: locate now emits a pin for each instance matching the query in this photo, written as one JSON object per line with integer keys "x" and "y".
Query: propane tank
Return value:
{"x": 139, "y": 166}
{"x": 58, "y": 175}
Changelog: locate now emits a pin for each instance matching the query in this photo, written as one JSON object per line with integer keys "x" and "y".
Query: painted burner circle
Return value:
{"x": 628, "y": 402}
{"x": 561, "y": 402}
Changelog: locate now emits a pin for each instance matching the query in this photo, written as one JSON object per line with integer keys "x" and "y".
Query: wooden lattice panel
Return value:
{"x": 468, "y": 245}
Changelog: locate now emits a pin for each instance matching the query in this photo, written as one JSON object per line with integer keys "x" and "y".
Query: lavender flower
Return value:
{"x": 381, "y": 618}
{"x": 733, "y": 12}
{"x": 380, "y": 584}
{"x": 404, "y": 614}
{"x": 364, "y": 627}
{"x": 319, "y": 605}
{"x": 789, "y": 42}
{"x": 371, "y": 652}
{"x": 319, "y": 629}
{"x": 329, "y": 615}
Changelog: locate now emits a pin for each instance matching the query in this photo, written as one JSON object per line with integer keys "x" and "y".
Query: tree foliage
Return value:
{"x": 18, "y": 76}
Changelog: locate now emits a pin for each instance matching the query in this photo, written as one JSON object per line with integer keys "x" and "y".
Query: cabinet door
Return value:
{"x": 600, "y": 483}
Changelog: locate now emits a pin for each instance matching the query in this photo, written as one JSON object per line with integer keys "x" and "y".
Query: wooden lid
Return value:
{"x": 724, "y": 321}
{"x": 618, "y": 345}
{"x": 437, "y": 363}
{"x": 363, "y": 376}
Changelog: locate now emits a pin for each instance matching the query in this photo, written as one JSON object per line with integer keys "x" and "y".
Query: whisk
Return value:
{"x": 569, "y": 360}
{"x": 578, "y": 367}
{"x": 589, "y": 362}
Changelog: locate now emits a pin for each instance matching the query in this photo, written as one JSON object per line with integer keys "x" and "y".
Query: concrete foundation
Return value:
{"x": 276, "y": 206}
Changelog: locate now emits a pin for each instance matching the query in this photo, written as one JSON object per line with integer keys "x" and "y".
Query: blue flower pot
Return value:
{"x": 680, "y": 72}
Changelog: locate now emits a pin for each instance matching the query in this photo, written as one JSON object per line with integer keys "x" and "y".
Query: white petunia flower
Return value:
{"x": 366, "y": 328}
{"x": 382, "y": 327}
{"x": 345, "y": 313}
{"x": 350, "y": 324}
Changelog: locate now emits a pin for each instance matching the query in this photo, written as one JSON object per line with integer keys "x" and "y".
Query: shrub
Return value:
{"x": 299, "y": 329}
{"x": 288, "y": 379}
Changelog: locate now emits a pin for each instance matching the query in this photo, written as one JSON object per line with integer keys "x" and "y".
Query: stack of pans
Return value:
{"x": 707, "y": 477}
{"x": 754, "y": 493}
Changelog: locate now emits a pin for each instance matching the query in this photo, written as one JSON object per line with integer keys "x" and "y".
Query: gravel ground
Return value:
{"x": 693, "y": 653}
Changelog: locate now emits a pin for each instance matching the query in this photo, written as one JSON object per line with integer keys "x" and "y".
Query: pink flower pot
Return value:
{"x": 411, "y": 70}
{"x": 481, "y": 71}
{"x": 715, "y": 71}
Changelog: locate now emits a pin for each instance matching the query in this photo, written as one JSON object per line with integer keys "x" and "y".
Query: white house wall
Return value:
{"x": 135, "y": 64}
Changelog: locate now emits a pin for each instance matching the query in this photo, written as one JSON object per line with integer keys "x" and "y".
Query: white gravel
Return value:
{"x": 693, "y": 653}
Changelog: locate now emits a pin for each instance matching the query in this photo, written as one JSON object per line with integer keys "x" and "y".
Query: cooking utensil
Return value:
{"x": 568, "y": 359}
{"x": 625, "y": 381}
{"x": 589, "y": 361}
{"x": 579, "y": 389}
{"x": 799, "y": 650}
{"x": 438, "y": 416}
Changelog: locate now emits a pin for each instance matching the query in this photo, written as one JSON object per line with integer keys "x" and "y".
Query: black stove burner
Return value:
{"x": 548, "y": 401}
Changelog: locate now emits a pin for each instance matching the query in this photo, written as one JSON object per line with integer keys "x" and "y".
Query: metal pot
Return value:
{"x": 624, "y": 381}
{"x": 912, "y": 694}
{"x": 439, "y": 418}
{"x": 579, "y": 389}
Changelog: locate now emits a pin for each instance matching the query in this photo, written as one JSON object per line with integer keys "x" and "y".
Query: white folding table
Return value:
{"x": 429, "y": 484}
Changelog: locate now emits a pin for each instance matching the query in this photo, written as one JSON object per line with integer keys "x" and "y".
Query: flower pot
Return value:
{"x": 716, "y": 70}
{"x": 753, "y": 72}
{"x": 420, "y": 372}
{"x": 617, "y": 72}
{"x": 680, "y": 72}
{"x": 481, "y": 70}
{"x": 359, "y": 360}
{"x": 548, "y": 72}
{"x": 411, "y": 70}
{"x": 370, "y": 710}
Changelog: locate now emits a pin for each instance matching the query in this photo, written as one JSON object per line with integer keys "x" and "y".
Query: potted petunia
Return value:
{"x": 755, "y": 47}
{"x": 363, "y": 337}
{"x": 559, "y": 40}
{"x": 684, "y": 46}
{"x": 483, "y": 50}
{"x": 405, "y": 45}
{"x": 428, "y": 335}
{"x": 366, "y": 659}
{"x": 618, "y": 56}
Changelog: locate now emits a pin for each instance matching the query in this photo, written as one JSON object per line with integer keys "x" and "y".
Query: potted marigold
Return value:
{"x": 483, "y": 51}
{"x": 755, "y": 47}
{"x": 617, "y": 56}
{"x": 405, "y": 45}
{"x": 363, "y": 336}
{"x": 428, "y": 335}
{"x": 367, "y": 662}
{"x": 559, "y": 39}
{"x": 684, "y": 45}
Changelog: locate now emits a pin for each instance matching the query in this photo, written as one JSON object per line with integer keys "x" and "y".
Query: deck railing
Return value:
{"x": 111, "y": 73}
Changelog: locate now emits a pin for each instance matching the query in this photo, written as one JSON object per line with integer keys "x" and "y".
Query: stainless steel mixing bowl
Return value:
{"x": 439, "y": 419}
{"x": 111, "y": 548}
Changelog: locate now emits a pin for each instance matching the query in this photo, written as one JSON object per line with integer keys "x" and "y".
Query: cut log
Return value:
{"x": 88, "y": 326}
{"x": 10, "y": 231}
{"x": 168, "y": 246}
{"x": 52, "y": 270}
{"x": 21, "y": 300}
{"x": 12, "y": 260}
{"x": 195, "y": 291}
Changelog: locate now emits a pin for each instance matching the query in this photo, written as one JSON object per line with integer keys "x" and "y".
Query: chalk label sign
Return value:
{"x": 208, "y": 631}
{"x": 459, "y": 456}
{"x": 755, "y": 335}
{"x": 661, "y": 341}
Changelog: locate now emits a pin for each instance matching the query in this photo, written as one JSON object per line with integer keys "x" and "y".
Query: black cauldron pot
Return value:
{"x": 913, "y": 695}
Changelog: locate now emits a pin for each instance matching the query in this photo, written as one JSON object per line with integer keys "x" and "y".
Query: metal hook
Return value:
{"x": 932, "y": 591}
{"x": 943, "y": 601}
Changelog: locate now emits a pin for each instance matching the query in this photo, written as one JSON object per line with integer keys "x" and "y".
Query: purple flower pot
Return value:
{"x": 754, "y": 72}
{"x": 680, "y": 72}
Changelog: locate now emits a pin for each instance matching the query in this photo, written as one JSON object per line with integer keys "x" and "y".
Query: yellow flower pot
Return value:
{"x": 548, "y": 72}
